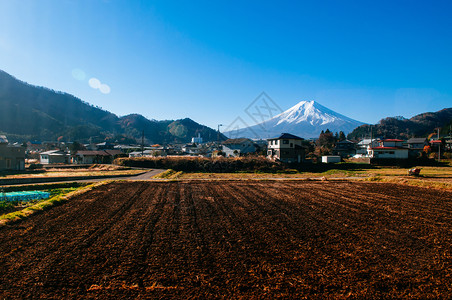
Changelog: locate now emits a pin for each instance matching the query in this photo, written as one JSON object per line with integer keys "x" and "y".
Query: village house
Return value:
{"x": 448, "y": 142}
{"x": 54, "y": 157}
{"x": 236, "y": 147}
{"x": 11, "y": 157}
{"x": 416, "y": 146}
{"x": 361, "y": 147}
{"x": 436, "y": 145}
{"x": 96, "y": 157}
{"x": 345, "y": 148}
{"x": 417, "y": 143}
{"x": 389, "y": 149}
{"x": 192, "y": 149}
{"x": 161, "y": 151}
{"x": 35, "y": 146}
{"x": 286, "y": 148}
{"x": 105, "y": 146}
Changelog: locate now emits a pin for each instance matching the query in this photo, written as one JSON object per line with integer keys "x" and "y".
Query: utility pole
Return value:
{"x": 142, "y": 143}
{"x": 218, "y": 135}
{"x": 439, "y": 148}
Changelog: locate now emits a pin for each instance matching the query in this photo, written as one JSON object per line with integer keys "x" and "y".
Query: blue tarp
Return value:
{"x": 24, "y": 196}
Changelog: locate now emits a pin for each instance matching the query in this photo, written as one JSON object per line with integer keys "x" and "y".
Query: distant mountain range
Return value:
{"x": 420, "y": 125}
{"x": 30, "y": 113}
{"x": 305, "y": 119}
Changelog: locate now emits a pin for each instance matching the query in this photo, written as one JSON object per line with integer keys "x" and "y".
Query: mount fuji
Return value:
{"x": 305, "y": 119}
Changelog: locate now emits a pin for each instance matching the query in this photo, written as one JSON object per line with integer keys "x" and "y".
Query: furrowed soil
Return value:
{"x": 234, "y": 239}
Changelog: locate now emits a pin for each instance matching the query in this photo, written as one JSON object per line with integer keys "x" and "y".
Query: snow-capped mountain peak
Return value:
{"x": 305, "y": 119}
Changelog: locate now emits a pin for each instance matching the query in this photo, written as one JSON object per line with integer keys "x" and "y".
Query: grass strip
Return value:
{"x": 169, "y": 174}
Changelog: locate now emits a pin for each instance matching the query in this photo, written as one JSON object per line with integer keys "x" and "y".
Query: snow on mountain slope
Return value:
{"x": 305, "y": 119}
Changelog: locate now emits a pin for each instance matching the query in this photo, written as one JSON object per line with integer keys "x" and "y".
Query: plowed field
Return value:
{"x": 233, "y": 239}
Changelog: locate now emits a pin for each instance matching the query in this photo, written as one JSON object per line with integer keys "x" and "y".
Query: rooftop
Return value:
{"x": 388, "y": 148}
{"x": 3, "y": 139}
{"x": 286, "y": 136}
{"x": 416, "y": 140}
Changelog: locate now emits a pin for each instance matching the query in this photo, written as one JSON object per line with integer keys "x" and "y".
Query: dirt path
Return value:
{"x": 234, "y": 239}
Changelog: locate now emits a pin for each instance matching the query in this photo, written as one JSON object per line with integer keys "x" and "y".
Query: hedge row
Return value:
{"x": 204, "y": 164}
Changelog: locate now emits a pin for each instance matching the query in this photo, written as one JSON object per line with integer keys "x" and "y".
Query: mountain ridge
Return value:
{"x": 29, "y": 112}
{"x": 420, "y": 125}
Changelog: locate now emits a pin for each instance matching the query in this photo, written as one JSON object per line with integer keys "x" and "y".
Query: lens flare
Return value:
{"x": 79, "y": 74}
{"x": 104, "y": 88}
{"x": 94, "y": 83}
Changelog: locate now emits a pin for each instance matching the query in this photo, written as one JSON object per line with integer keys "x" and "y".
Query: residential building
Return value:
{"x": 436, "y": 145}
{"x": 416, "y": 146}
{"x": 345, "y": 148}
{"x": 236, "y": 147}
{"x": 286, "y": 148}
{"x": 417, "y": 143}
{"x": 96, "y": 157}
{"x": 105, "y": 146}
{"x": 54, "y": 157}
{"x": 197, "y": 140}
{"x": 392, "y": 143}
{"x": 448, "y": 142}
{"x": 389, "y": 149}
{"x": 191, "y": 149}
{"x": 361, "y": 147}
{"x": 11, "y": 157}
{"x": 144, "y": 153}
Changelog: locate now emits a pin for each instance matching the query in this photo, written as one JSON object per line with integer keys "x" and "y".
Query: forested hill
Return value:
{"x": 29, "y": 112}
{"x": 418, "y": 126}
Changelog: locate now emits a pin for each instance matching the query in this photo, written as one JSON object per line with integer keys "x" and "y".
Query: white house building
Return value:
{"x": 361, "y": 147}
{"x": 389, "y": 149}
{"x": 197, "y": 140}
{"x": 54, "y": 157}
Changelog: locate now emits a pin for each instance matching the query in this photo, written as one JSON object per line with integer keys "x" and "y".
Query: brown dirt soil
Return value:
{"x": 234, "y": 239}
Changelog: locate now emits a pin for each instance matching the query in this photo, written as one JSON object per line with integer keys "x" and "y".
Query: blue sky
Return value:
{"x": 208, "y": 60}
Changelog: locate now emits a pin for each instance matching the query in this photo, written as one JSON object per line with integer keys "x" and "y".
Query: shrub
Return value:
{"x": 204, "y": 164}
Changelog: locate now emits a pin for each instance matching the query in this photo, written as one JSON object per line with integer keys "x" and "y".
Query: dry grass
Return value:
{"x": 169, "y": 174}
{"x": 433, "y": 177}
{"x": 415, "y": 181}
{"x": 74, "y": 172}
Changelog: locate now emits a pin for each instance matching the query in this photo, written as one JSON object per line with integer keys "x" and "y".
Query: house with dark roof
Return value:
{"x": 286, "y": 148}
{"x": 236, "y": 147}
{"x": 416, "y": 146}
{"x": 11, "y": 157}
{"x": 345, "y": 148}
{"x": 417, "y": 143}
{"x": 96, "y": 157}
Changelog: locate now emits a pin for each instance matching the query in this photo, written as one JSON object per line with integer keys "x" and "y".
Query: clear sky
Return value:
{"x": 208, "y": 60}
